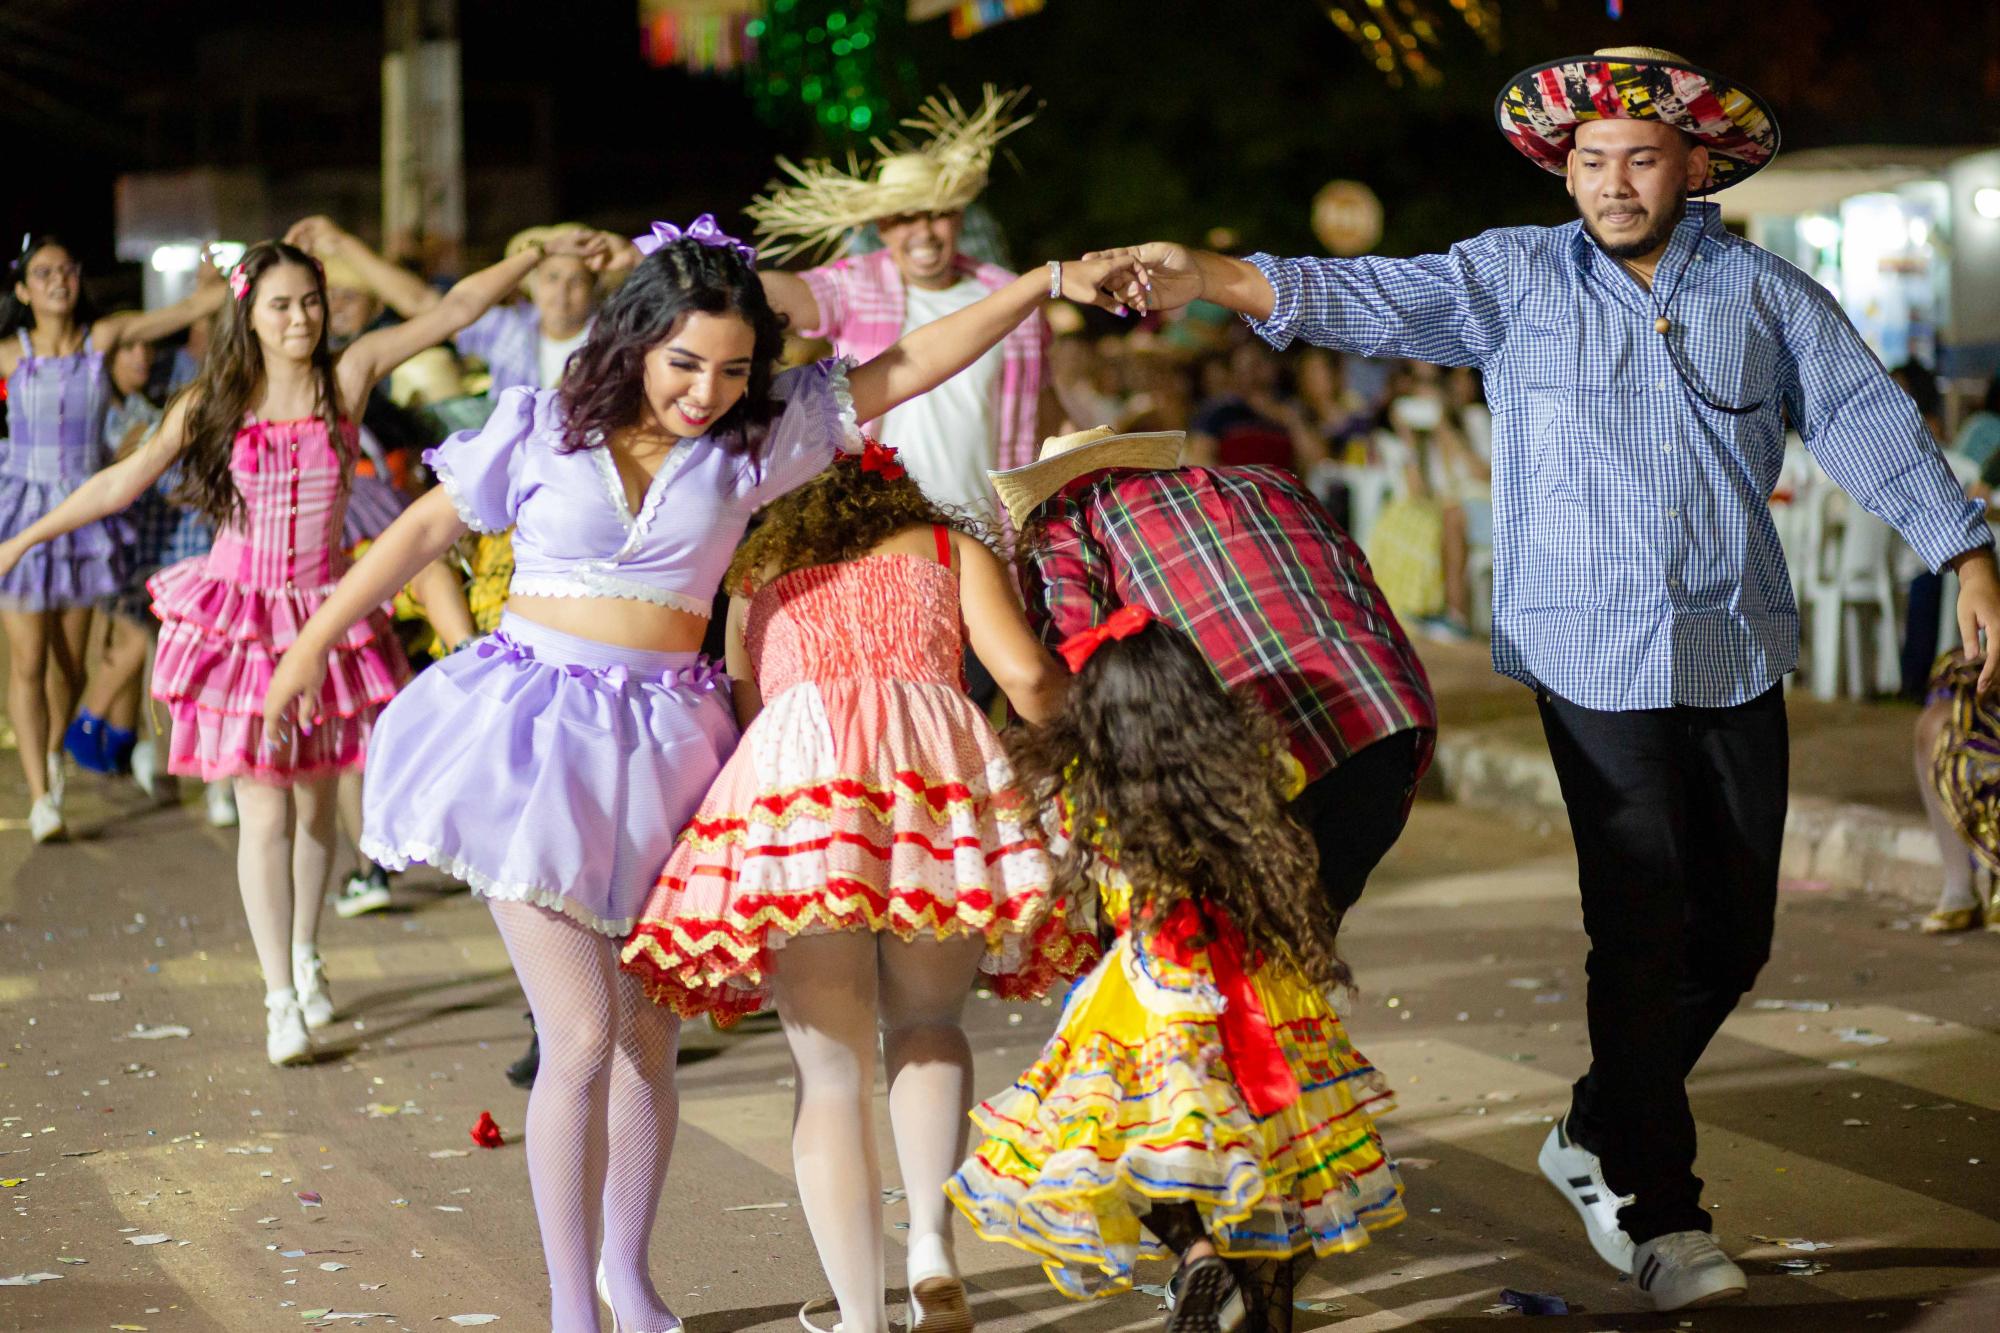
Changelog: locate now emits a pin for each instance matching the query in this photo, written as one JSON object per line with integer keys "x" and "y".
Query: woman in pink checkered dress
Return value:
{"x": 266, "y": 442}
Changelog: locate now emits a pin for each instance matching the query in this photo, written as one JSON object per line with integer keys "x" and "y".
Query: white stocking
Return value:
{"x": 264, "y": 875}
{"x": 929, "y": 1063}
{"x": 312, "y": 856}
{"x": 825, "y": 991}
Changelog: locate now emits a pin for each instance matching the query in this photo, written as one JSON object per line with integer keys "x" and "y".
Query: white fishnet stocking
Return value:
{"x": 607, "y": 1076}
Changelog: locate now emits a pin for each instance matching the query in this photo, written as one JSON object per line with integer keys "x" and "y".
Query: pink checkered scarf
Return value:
{"x": 861, "y": 314}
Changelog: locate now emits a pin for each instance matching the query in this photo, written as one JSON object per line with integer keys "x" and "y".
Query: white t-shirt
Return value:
{"x": 950, "y": 436}
{"x": 552, "y": 354}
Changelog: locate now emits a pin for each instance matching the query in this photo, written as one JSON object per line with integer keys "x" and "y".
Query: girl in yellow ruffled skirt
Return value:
{"x": 1199, "y": 1099}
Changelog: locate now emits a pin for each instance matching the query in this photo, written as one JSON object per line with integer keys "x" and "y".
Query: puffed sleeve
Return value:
{"x": 481, "y": 469}
{"x": 815, "y": 424}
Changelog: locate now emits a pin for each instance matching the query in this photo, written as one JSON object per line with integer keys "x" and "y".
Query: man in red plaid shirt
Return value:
{"x": 1279, "y": 599}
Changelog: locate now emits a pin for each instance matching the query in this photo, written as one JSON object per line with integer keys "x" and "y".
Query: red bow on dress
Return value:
{"x": 880, "y": 459}
{"x": 1123, "y": 624}
{"x": 1249, "y": 1045}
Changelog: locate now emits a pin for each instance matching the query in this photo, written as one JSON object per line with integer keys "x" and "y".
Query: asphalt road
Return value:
{"x": 1870, "y": 1128}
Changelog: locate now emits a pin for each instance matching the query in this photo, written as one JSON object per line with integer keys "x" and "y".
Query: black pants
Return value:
{"x": 1678, "y": 816}
{"x": 1356, "y": 812}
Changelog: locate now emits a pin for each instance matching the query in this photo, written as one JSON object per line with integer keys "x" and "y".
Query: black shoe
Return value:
{"x": 1203, "y": 1298}
{"x": 522, "y": 1072}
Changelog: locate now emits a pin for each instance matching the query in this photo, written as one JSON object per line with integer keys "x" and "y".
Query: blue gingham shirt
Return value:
{"x": 1635, "y": 564}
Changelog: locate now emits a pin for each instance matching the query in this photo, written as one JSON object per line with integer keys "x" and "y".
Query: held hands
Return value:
{"x": 1099, "y": 280}
{"x": 293, "y": 698}
{"x": 1158, "y": 275}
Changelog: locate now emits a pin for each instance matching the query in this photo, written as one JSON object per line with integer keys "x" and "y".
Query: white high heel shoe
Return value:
{"x": 604, "y": 1294}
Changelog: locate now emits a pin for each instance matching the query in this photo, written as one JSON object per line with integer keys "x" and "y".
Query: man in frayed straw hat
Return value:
{"x": 1275, "y": 595}
{"x": 916, "y": 197}
{"x": 1642, "y": 365}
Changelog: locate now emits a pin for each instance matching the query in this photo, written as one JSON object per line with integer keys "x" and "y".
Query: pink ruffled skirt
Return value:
{"x": 220, "y": 642}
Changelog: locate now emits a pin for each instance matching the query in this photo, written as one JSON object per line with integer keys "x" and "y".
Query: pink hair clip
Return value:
{"x": 239, "y": 282}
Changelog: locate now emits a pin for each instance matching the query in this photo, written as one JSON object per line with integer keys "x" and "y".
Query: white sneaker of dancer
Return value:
{"x": 1685, "y": 1269}
{"x": 221, "y": 800}
{"x": 1579, "y": 1177}
{"x": 45, "y": 820}
{"x": 147, "y": 770}
{"x": 286, "y": 1041}
{"x": 309, "y": 980}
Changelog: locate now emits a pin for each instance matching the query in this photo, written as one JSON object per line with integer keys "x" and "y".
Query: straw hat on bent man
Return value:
{"x": 822, "y": 202}
{"x": 1541, "y": 107}
{"x": 1064, "y": 458}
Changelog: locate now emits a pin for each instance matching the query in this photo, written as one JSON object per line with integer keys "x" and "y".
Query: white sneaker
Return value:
{"x": 221, "y": 798}
{"x": 1579, "y": 1177}
{"x": 309, "y": 980}
{"x": 286, "y": 1041}
{"x": 45, "y": 821}
{"x": 58, "y": 780}
{"x": 1685, "y": 1269}
{"x": 359, "y": 896}
{"x": 146, "y": 767}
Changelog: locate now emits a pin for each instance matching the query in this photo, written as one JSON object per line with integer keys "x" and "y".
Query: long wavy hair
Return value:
{"x": 604, "y": 388}
{"x": 1185, "y": 777}
{"x": 842, "y": 514}
{"x": 16, "y": 314}
{"x": 231, "y": 376}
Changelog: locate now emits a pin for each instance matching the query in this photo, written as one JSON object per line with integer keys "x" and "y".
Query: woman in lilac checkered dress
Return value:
{"x": 265, "y": 440}
{"x": 52, "y": 354}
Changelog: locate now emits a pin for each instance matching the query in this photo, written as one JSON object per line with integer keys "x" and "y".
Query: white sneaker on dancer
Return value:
{"x": 221, "y": 800}
{"x": 1579, "y": 1177}
{"x": 286, "y": 1041}
{"x": 309, "y": 980}
{"x": 45, "y": 820}
{"x": 147, "y": 770}
{"x": 1685, "y": 1269}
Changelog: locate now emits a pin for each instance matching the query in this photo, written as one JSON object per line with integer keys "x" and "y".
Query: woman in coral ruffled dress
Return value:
{"x": 863, "y": 857}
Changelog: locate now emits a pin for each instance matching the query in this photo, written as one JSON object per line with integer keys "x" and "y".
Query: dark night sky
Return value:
{"x": 1160, "y": 117}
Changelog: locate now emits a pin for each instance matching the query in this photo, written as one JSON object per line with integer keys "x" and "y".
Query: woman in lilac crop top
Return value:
{"x": 551, "y": 766}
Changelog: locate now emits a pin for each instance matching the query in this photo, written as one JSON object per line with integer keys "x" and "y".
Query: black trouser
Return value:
{"x": 1357, "y": 811}
{"x": 1678, "y": 816}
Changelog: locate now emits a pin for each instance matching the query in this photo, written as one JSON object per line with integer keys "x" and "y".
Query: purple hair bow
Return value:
{"x": 702, "y": 231}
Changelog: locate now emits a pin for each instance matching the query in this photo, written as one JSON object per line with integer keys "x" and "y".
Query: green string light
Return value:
{"x": 827, "y": 59}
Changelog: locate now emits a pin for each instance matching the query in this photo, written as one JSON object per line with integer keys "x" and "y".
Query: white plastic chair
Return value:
{"x": 1851, "y": 552}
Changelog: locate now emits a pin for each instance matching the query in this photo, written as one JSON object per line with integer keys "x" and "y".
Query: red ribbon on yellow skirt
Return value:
{"x": 1249, "y": 1043}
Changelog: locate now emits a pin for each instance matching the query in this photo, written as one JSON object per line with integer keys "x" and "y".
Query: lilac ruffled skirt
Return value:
{"x": 80, "y": 568}
{"x": 541, "y": 767}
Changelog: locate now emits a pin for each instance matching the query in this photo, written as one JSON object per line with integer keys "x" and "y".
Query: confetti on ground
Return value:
{"x": 309, "y": 1198}
{"x": 451, "y": 1152}
{"x": 1319, "y": 1307}
{"x": 1802, "y": 1267}
{"x": 331, "y": 1267}
{"x": 1861, "y": 1037}
{"x": 70, "y": 1259}
{"x": 468, "y": 1320}
{"x": 105, "y": 997}
{"x": 1794, "y": 1006}
{"x": 756, "y": 1207}
{"x": 84, "y": 1152}
{"x": 29, "y": 1279}
{"x": 1793, "y": 1243}
{"x": 1532, "y": 1303}
{"x": 160, "y": 1033}
{"x": 156, "y": 1238}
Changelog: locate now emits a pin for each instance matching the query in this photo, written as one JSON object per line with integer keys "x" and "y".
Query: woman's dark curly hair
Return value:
{"x": 231, "y": 376}
{"x": 604, "y": 388}
{"x": 842, "y": 514}
{"x": 1186, "y": 778}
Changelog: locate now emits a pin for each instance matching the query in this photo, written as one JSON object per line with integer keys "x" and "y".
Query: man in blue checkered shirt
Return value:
{"x": 1642, "y": 365}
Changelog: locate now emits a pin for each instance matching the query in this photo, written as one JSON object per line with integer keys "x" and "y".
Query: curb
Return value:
{"x": 1828, "y": 844}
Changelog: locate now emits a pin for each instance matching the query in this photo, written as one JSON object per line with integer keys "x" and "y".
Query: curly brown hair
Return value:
{"x": 1185, "y": 777}
{"x": 842, "y": 514}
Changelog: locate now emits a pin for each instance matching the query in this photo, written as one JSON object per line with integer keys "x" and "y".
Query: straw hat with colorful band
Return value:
{"x": 1064, "y": 458}
{"x": 1540, "y": 108}
{"x": 823, "y": 202}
